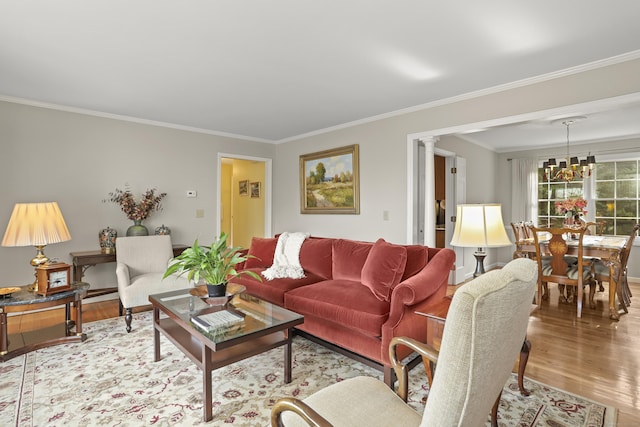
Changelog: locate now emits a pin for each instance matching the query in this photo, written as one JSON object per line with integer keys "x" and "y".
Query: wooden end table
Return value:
{"x": 25, "y": 300}
{"x": 436, "y": 319}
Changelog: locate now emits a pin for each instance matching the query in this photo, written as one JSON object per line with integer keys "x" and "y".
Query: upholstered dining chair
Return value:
{"x": 521, "y": 232}
{"x": 559, "y": 268}
{"x": 601, "y": 273}
{"x": 486, "y": 324}
{"x": 140, "y": 264}
{"x": 595, "y": 228}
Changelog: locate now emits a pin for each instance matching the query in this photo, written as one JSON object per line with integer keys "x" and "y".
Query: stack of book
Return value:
{"x": 217, "y": 320}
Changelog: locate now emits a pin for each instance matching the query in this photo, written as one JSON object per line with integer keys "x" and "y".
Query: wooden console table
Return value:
{"x": 24, "y": 300}
{"x": 85, "y": 259}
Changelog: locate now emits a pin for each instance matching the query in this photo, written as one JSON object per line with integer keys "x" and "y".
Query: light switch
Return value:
{"x": 199, "y": 213}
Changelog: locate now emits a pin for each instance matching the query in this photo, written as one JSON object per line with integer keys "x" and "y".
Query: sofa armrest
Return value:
{"x": 122, "y": 275}
{"x": 419, "y": 287}
{"x": 426, "y": 287}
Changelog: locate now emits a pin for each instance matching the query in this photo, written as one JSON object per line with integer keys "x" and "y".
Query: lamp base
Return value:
{"x": 37, "y": 261}
{"x": 480, "y": 256}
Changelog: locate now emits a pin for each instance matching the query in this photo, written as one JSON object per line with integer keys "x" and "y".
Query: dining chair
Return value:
{"x": 521, "y": 233}
{"x": 486, "y": 324}
{"x": 602, "y": 273}
{"x": 595, "y": 228}
{"x": 559, "y": 268}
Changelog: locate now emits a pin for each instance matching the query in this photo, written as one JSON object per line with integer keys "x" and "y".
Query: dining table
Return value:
{"x": 605, "y": 248}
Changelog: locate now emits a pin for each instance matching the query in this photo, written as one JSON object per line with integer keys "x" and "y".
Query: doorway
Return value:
{"x": 244, "y": 198}
{"x": 422, "y": 213}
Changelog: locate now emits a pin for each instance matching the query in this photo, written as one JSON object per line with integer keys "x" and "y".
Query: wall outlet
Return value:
{"x": 192, "y": 193}
{"x": 199, "y": 213}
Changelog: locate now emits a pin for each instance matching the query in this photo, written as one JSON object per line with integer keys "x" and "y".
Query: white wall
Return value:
{"x": 383, "y": 154}
{"x": 76, "y": 160}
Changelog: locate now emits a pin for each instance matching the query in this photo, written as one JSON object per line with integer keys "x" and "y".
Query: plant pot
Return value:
{"x": 219, "y": 290}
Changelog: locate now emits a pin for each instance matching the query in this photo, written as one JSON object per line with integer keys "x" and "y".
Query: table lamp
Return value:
{"x": 480, "y": 226}
{"x": 36, "y": 224}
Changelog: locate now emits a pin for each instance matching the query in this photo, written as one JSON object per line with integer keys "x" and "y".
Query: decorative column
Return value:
{"x": 429, "y": 192}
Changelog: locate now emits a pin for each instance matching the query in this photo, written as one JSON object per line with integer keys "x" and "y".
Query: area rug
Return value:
{"x": 111, "y": 380}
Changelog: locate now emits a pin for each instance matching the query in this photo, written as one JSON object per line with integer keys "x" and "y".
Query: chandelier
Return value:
{"x": 571, "y": 168}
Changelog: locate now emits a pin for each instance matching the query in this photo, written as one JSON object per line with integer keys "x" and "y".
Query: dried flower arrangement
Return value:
{"x": 136, "y": 211}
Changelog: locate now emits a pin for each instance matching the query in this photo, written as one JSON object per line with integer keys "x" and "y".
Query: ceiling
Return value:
{"x": 274, "y": 70}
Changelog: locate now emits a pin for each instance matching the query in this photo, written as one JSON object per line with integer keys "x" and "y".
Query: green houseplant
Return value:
{"x": 214, "y": 264}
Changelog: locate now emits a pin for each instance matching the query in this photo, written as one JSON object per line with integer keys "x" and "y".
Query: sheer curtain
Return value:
{"x": 524, "y": 190}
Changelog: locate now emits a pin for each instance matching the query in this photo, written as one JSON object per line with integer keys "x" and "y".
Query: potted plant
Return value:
{"x": 214, "y": 264}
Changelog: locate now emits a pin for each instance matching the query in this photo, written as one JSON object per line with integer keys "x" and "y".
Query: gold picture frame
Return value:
{"x": 330, "y": 181}
{"x": 243, "y": 187}
{"x": 256, "y": 189}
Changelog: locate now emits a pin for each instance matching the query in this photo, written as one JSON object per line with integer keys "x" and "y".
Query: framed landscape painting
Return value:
{"x": 329, "y": 181}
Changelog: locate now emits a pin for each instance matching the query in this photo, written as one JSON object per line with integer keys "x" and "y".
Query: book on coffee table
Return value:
{"x": 217, "y": 320}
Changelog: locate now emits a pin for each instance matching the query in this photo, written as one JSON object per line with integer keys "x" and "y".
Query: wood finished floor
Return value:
{"x": 592, "y": 356}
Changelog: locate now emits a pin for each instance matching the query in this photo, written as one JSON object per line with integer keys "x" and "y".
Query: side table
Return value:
{"x": 24, "y": 300}
{"x": 436, "y": 319}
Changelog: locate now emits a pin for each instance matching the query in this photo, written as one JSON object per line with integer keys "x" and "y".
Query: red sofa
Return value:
{"x": 356, "y": 295}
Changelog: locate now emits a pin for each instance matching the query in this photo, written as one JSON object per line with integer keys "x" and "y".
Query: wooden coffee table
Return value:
{"x": 265, "y": 326}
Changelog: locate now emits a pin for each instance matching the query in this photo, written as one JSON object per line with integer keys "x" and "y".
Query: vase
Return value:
{"x": 137, "y": 229}
{"x": 107, "y": 238}
{"x": 163, "y": 230}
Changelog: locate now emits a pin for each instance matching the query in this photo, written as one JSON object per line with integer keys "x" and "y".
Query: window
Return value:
{"x": 615, "y": 195}
{"x": 551, "y": 192}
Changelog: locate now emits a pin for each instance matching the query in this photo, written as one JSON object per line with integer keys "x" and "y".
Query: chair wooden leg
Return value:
{"x": 522, "y": 365}
{"x": 580, "y": 296}
{"x": 128, "y": 317}
{"x": 494, "y": 411}
{"x": 592, "y": 293}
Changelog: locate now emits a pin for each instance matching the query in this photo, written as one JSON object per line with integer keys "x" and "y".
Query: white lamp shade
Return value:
{"x": 36, "y": 224}
{"x": 480, "y": 226}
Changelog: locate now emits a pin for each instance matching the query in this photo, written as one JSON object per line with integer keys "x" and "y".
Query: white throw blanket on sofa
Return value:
{"x": 286, "y": 259}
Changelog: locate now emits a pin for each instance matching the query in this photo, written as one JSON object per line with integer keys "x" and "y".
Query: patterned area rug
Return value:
{"x": 111, "y": 380}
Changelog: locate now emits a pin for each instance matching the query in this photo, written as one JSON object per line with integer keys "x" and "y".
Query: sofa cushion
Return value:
{"x": 417, "y": 257}
{"x": 272, "y": 290}
{"x": 349, "y": 257}
{"x": 263, "y": 250}
{"x": 344, "y": 302}
{"x": 315, "y": 256}
{"x": 383, "y": 268}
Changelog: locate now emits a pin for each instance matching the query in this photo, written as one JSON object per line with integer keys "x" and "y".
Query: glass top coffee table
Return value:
{"x": 256, "y": 326}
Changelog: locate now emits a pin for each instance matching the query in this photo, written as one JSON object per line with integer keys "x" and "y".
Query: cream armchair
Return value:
{"x": 140, "y": 264}
{"x": 486, "y": 324}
